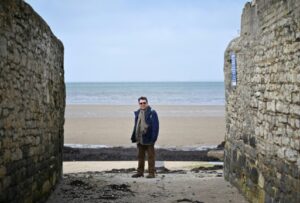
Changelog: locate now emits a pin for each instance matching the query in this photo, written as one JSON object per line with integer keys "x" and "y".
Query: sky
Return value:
{"x": 148, "y": 40}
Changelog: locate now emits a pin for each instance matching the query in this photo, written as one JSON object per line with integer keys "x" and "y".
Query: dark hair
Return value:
{"x": 143, "y": 98}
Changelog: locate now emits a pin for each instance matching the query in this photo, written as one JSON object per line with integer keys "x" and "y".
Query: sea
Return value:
{"x": 158, "y": 93}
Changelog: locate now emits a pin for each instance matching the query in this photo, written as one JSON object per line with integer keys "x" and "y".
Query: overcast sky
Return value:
{"x": 142, "y": 40}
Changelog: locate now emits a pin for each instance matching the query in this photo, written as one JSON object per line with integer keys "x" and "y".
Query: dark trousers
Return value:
{"x": 142, "y": 150}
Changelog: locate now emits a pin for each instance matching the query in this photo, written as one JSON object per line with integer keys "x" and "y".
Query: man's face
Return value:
{"x": 143, "y": 104}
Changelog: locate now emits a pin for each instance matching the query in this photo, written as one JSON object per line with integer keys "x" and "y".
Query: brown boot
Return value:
{"x": 137, "y": 175}
{"x": 151, "y": 175}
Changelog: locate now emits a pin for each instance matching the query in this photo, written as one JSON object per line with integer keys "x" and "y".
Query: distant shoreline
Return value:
{"x": 150, "y": 103}
{"x": 92, "y": 82}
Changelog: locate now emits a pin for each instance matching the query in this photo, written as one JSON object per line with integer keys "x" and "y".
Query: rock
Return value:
{"x": 218, "y": 154}
{"x": 222, "y": 145}
{"x": 208, "y": 168}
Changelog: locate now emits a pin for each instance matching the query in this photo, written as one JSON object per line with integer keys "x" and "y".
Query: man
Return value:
{"x": 145, "y": 133}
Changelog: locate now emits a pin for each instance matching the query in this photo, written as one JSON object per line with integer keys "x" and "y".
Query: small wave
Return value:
{"x": 189, "y": 148}
{"x": 91, "y": 146}
{"x": 171, "y": 148}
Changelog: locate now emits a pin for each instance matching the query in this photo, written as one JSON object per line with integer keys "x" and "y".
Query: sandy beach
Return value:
{"x": 196, "y": 182}
{"x": 181, "y": 126}
{"x": 184, "y": 125}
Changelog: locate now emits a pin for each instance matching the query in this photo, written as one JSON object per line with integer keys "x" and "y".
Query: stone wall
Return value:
{"x": 262, "y": 151}
{"x": 32, "y": 102}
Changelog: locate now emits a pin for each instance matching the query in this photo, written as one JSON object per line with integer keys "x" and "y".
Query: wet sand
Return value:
{"x": 112, "y": 125}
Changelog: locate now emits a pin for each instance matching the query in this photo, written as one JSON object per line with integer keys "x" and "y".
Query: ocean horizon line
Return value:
{"x": 144, "y": 82}
{"x": 151, "y": 104}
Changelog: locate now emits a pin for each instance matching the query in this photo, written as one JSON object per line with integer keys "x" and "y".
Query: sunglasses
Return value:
{"x": 143, "y": 103}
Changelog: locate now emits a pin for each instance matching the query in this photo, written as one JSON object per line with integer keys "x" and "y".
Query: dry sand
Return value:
{"x": 85, "y": 166}
{"x": 112, "y": 125}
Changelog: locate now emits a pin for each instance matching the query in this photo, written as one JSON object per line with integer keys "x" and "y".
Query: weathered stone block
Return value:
{"x": 271, "y": 106}
{"x": 295, "y": 144}
{"x": 285, "y": 141}
{"x": 298, "y": 162}
{"x": 293, "y": 122}
{"x": 6, "y": 182}
{"x": 17, "y": 155}
{"x": 291, "y": 154}
{"x": 261, "y": 180}
{"x": 3, "y": 48}
{"x": 282, "y": 119}
{"x": 7, "y": 155}
{"x": 46, "y": 187}
{"x": 282, "y": 107}
{"x": 290, "y": 132}
{"x": 281, "y": 152}
{"x": 2, "y": 171}
{"x": 295, "y": 110}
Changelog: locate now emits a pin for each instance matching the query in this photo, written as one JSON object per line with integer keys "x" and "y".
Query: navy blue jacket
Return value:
{"x": 151, "y": 119}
